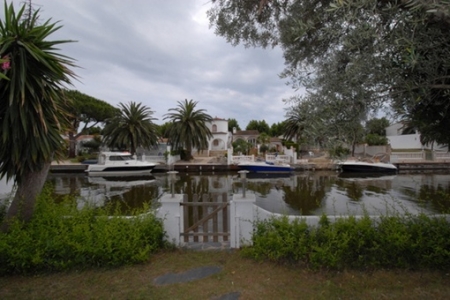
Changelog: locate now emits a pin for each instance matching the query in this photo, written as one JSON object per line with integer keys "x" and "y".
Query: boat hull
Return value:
{"x": 360, "y": 167}
{"x": 265, "y": 168}
{"x": 119, "y": 170}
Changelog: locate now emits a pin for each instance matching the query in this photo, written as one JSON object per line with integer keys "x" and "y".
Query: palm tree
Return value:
{"x": 188, "y": 127}
{"x": 132, "y": 127}
{"x": 264, "y": 140}
{"x": 32, "y": 114}
{"x": 295, "y": 123}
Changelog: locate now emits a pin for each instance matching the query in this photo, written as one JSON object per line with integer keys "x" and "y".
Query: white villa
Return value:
{"x": 397, "y": 140}
{"x": 221, "y": 140}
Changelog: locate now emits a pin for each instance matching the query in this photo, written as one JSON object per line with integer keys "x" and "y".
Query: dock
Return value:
{"x": 201, "y": 166}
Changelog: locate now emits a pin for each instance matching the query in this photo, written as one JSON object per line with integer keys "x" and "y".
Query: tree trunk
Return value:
{"x": 24, "y": 201}
{"x": 72, "y": 145}
{"x": 188, "y": 152}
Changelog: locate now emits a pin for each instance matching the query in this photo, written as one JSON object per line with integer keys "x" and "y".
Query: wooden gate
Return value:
{"x": 206, "y": 218}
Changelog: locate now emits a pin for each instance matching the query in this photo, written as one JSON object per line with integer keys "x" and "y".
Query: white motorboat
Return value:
{"x": 374, "y": 165}
{"x": 119, "y": 164}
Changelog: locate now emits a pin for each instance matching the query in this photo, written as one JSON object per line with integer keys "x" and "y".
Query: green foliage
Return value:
{"x": 93, "y": 145}
{"x": 32, "y": 106}
{"x": 392, "y": 242}
{"x": 277, "y": 129}
{"x": 376, "y": 140}
{"x": 188, "y": 127}
{"x": 131, "y": 128}
{"x": 339, "y": 151}
{"x": 377, "y": 126}
{"x": 164, "y": 129}
{"x": 263, "y": 148}
{"x": 354, "y": 57}
{"x": 241, "y": 146}
{"x": 261, "y": 126}
{"x": 60, "y": 237}
{"x": 88, "y": 110}
{"x": 233, "y": 123}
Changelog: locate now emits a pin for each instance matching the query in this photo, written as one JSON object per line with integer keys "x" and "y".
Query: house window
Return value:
{"x": 214, "y": 128}
{"x": 216, "y": 143}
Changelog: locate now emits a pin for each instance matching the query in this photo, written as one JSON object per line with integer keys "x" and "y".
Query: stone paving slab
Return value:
{"x": 191, "y": 275}
{"x": 229, "y": 296}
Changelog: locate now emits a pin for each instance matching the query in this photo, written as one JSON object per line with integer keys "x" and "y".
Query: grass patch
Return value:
{"x": 252, "y": 279}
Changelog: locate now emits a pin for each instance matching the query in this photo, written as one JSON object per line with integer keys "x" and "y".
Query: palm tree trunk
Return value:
{"x": 24, "y": 201}
{"x": 188, "y": 151}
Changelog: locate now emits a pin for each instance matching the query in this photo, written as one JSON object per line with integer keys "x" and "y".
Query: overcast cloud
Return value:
{"x": 161, "y": 52}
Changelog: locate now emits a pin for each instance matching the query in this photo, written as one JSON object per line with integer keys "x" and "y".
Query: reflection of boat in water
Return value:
{"x": 119, "y": 164}
{"x": 377, "y": 164}
{"x": 122, "y": 181}
{"x": 105, "y": 188}
{"x": 265, "y": 167}
{"x": 366, "y": 176}
{"x": 269, "y": 175}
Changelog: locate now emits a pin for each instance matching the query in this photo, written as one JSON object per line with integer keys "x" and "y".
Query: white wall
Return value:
{"x": 222, "y": 125}
{"x": 407, "y": 141}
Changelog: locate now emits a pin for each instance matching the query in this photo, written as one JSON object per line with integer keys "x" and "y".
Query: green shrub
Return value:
{"x": 339, "y": 151}
{"x": 373, "y": 139}
{"x": 409, "y": 242}
{"x": 60, "y": 237}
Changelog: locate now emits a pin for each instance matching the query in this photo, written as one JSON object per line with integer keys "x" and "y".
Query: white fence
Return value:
{"x": 234, "y": 160}
{"x": 154, "y": 158}
{"x": 243, "y": 215}
{"x": 278, "y": 158}
{"x": 441, "y": 156}
{"x": 398, "y": 157}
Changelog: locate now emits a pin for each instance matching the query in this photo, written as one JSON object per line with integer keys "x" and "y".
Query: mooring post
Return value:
{"x": 243, "y": 174}
{"x": 172, "y": 179}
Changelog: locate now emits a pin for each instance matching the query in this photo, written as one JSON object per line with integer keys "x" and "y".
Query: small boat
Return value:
{"x": 265, "y": 167}
{"x": 374, "y": 165}
{"x": 119, "y": 164}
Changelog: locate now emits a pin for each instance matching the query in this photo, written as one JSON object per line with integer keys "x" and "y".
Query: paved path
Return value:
{"x": 192, "y": 275}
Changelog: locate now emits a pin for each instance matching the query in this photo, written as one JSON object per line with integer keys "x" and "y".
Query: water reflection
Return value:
{"x": 122, "y": 193}
{"x": 308, "y": 193}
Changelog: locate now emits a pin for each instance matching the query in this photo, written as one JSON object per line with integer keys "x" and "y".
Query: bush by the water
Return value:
{"x": 61, "y": 237}
{"x": 411, "y": 242}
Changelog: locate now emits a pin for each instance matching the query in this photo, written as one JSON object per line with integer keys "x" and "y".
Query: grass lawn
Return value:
{"x": 253, "y": 280}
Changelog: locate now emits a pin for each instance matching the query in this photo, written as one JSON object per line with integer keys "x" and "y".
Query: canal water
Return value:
{"x": 306, "y": 193}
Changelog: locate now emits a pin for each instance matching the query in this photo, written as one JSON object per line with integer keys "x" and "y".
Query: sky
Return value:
{"x": 159, "y": 52}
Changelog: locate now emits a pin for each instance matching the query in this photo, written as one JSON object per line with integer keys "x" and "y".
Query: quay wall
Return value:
{"x": 196, "y": 168}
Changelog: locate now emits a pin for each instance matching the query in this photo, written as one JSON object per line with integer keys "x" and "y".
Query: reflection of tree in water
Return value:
{"x": 261, "y": 187}
{"x": 355, "y": 189}
{"x": 437, "y": 198}
{"x": 191, "y": 185}
{"x": 307, "y": 193}
{"x": 72, "y": 183}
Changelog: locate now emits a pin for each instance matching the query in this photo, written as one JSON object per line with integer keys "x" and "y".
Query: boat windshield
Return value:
{"x": 121, "y": 157}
